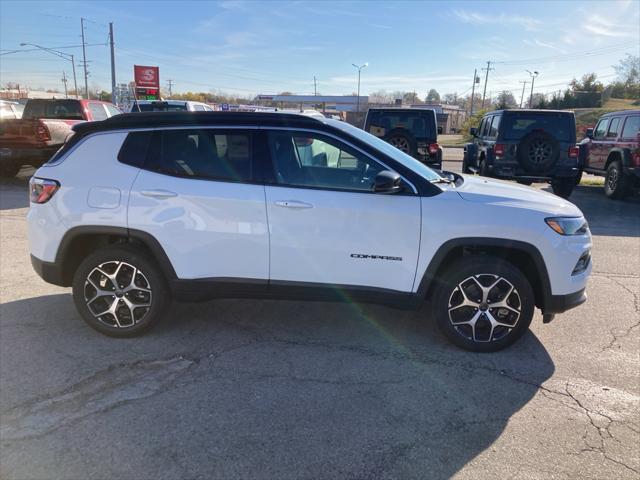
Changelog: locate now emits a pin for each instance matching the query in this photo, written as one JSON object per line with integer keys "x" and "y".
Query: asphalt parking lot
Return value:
{"x": 277, "y": 389}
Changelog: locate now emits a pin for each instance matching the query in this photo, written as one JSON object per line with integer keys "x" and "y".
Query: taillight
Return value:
{"x": 574, "y": 152}
{"x": 433, "y": 148}
{"x": 635, "y": 158}
{"x": 498, "y": 149}
{"x": 41, "y": 189}
{"x": 42, "y": 132}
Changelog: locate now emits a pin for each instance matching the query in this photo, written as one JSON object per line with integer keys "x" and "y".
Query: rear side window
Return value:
{"x": 495, "y": 124}
{"x": 97, "y": 111}
{"x": 202, "y": 153}
{"x": 134, "y": 149}
{"x": 631, "y": 127}
{"x": 613, "y": 128}
{"x": 485, "y": 128}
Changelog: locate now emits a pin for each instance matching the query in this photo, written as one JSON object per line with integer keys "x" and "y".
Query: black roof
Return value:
{"x": 622, "y": 112}
{"x": 529, "y": 110}
{"x": 172, "y": 119}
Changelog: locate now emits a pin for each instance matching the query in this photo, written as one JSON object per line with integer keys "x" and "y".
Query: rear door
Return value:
{"x": 327, "y": 225}
{"x": 195, "y": 194}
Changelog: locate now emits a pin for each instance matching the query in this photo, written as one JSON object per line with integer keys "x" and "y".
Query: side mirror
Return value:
{"x": 439, "y": 130}
{"x": 589, "y": 133}
{"x": 387, "y": 182}
{"x": 473, "y": 131}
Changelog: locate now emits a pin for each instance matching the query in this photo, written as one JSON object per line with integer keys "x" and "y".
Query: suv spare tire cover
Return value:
{"x": 402, "y": 140}
{"x": 538, "y": 152}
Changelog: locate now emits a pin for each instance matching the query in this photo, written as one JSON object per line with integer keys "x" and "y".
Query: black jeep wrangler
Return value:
{"x": 526, "y": 145}
{"x": 411, "y": 130}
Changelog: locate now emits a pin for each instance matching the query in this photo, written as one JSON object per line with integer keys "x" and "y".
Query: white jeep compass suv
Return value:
{"x": 141, "y": 208}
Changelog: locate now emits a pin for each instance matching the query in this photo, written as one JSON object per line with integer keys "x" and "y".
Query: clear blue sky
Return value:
{"x": 250, "y": 47}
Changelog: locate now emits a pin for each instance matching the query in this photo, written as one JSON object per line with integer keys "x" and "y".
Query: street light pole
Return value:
{"x": 66, "y": 56}
{"x": 533, "y": 75}
{"x": 359, "y": 67}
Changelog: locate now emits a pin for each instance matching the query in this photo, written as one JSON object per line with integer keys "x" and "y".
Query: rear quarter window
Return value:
{"x": 134, "y": 148}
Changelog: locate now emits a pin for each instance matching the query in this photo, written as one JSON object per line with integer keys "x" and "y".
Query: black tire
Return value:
{"x": 483, "y": 171}
{"x": 578, "y": 178}
{"x": 9, "y": 170}
{"x": 522, "y": 181}
{"x": 486, "y": 269}
{"x": 403, "y": 141}
{"x": 616, "y": 184}
{"x": 465, "y": 162}
{"x": 148, "y": 276}
{"x": 563, "y": 187}
{"x": 538, "y": 152}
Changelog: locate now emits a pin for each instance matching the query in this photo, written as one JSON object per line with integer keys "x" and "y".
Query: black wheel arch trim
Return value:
{"x": 429, "y": 278}
{"x": 625, "y": 157}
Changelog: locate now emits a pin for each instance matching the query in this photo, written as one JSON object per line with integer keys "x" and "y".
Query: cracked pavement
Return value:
{"x": 275, "y": 389}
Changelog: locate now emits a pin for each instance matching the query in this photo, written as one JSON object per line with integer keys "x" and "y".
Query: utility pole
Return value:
{"x": 64, "y": 80}
{"x": 84, "y": 60}
{"x": 170, "y": 82}
{"x": 359, "y": 67}
{"x": 533, "y": 75}
{"x": 473, "y": 89}
{"x": 524, "y": 85}
{"x": 486, "y": 79}
{"x": 113, "y": 66}
{"x": 315, "y": 87}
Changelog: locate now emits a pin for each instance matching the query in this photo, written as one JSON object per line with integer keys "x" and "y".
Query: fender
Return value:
{"x": 625, "y": 155}
{"x": 430, "y": 277}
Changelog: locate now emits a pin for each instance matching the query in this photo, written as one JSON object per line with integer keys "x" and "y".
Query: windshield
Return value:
{"x": 160, "y": 107}
{"x": 400, "y": 157}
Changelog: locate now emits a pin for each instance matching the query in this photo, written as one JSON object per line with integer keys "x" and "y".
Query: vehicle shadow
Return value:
{"x": 14, "y": 191}
{"x": 605, "y": 216}
{"x": 294, "y": 389}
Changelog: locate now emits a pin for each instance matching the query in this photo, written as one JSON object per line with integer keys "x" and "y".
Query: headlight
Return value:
{"x": 568, "y": 225}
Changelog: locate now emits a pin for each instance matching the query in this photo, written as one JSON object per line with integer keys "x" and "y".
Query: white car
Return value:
{"x": 140, "y": 208}
{"x": 9, "y": 109}
{"x": 169, "y": 106}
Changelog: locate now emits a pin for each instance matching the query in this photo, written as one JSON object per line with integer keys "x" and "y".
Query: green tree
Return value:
{"x": 588, "y": 84}
{"x": 505, "y": 99}
{"x": 432, "y": 96}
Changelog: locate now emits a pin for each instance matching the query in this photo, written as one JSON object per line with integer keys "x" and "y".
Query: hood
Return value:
{"x": 498, "y": 192}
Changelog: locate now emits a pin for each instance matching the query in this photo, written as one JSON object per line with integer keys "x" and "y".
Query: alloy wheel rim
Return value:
{"x": 117, "y": 294}
{"x": 612, "y": 179}
{"x": 400, "y": 143}
{"x": 484, "y": 308}
{"x": 539, "y": 152}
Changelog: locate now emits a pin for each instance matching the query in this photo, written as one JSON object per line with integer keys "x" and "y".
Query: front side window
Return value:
{"x": 306, "y": 159}
{"x": 631, "y": 127}
{"x": 97, "y": 111}
{"x": 613, "y": 128}
{"x": 485, "y": 128}
{"x": 601, "y": 129}
{"x": 201, "y": 153}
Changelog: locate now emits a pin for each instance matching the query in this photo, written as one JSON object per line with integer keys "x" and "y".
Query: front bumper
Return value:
{"x": 562, "y": 303}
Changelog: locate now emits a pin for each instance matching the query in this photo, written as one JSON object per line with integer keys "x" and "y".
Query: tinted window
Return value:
{"x": 601, "y": 128}
{"x": 159, "y": 107}
{"x": 61, "y": 109}
{"x": 518, "y": 125}
{"x": 421, "y": 124}
{"x": 631, "y": 127}
{"x": 204, "y": 153}
{"x": 313, "y": 160}
{"x": 134, "y": 149}
{"x": 613, "y": 128}
{"x": 486, "y": 126}
{"x": 97, "y": 111}
{"x": 112, "y": 109}
{"x": 493, "y": 130}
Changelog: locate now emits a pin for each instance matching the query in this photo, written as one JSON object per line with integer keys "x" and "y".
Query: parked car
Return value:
{"x": 9, "y": 109}
{"x": 612, "y": 150}
{"x": 169, "y": 106}
{"x": 43, "y": 128}
{"x": 527, "y": 146}
{"x": 142, "y": 208}
{"x": 414, "y": 131}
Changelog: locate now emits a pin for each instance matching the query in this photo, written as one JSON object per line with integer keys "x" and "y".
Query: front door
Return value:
{"x": 326, "y": 224}
{"x": 597, "y": 149}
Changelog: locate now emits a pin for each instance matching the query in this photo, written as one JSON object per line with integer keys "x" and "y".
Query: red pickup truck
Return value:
{"x": 43, "y": 129}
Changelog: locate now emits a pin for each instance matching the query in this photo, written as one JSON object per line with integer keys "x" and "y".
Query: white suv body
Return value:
{"x": 274, "y": 205}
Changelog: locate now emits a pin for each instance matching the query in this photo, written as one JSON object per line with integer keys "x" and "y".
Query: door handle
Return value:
{"x": 293, "y": 204}
{"x": 158, "y": 193}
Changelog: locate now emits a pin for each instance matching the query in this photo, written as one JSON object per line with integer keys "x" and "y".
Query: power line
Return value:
{"x": 568, "y": 56}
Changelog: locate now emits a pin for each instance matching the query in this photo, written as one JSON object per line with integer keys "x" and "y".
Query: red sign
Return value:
{"x": 146, "y": 76}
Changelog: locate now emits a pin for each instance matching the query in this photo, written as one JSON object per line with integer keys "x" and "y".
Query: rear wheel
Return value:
{"x": 616, "y": 183}
{"x": 563, "y": 187}
{"x": 484, "y": 167}
{"x": 483, "y": 303}
{"x": 119, "y": 291}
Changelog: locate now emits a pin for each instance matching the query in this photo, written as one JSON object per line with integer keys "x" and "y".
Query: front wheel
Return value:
{"x": 615, "y": 182}
{"x": 563, "y": 187}
{"x": 483, "y": 303}
{"x": 119, "y": 291}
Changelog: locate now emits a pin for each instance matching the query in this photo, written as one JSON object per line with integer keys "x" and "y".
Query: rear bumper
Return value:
{"x": 50, "y": 272}
{"x": 562, "y": 303}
